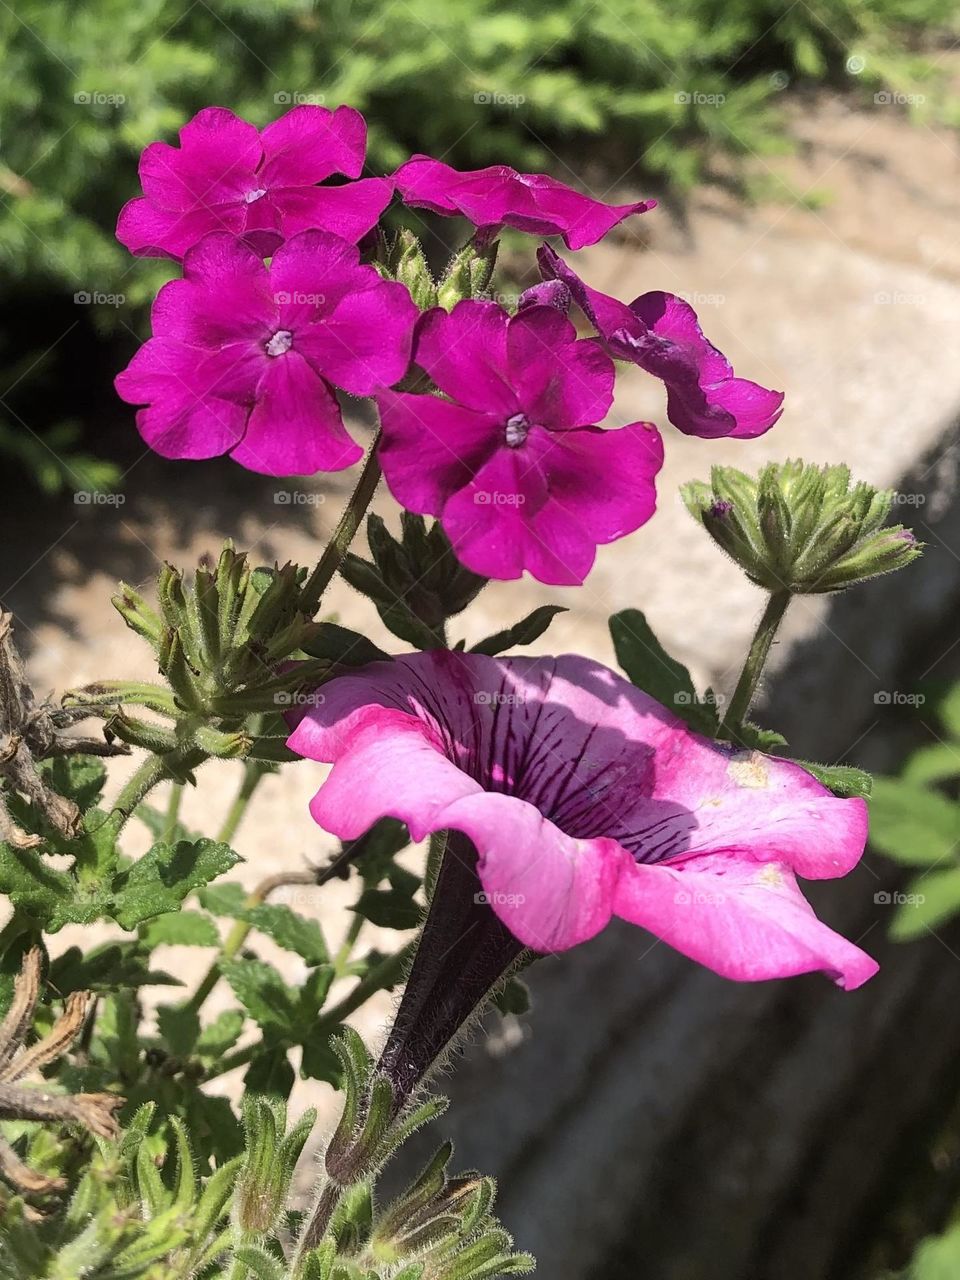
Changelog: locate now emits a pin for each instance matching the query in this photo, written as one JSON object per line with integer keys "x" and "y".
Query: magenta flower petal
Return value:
{"x": 661, "y": 333}
{"x": 431, "y": 447}
{"x": 465, "y": 353}
{"x": 585, "y": 798}
{"x": 214, "y": 164}
{"x": 499, "y": 196}
{"x": 295, "y": 427}
{"x": 228, "y": 176}
{"x": 349, "y": 211}
{"x": 245, "y": 355}
{"x": 512, "y": 465}
{"x": 310, "y": 143}
{"x": 743, "y": 920}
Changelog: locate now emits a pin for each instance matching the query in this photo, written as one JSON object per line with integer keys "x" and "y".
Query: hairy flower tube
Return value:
{"x": 499, "y": 196}
{"x": 260, "y": 184}
{"x": 244, "y": 357}
{"x": 661, "y": 333}
{"x": 510, "y": 461}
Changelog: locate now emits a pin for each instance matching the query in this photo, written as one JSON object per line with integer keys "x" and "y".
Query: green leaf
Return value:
{"x": 842, "y": 779}
{"x": 937, "y": 1258}
{"x": 341, "y": 645}
{"x": 221, "y": 1035}
{"x": 389, "y": 909}
{"x": 227, "y": 899}
{"x": 266, "y": 997}
{"x": 289, "y": 930}
{"x": 649, "y": 666}
{"x": 759, "y": 739}
{"x": 526, "y": 631}
{"x": 179, "y": 1027}
{"x": 319, "y": 1061}
{"x": 41, "y": 892}
{"x": 270, "y": 1073}
{"x": 79, "y": 778}
{"x": 912, "y": 825}
{"x": 112, "y": 966}
{"x": 180, "y": 929}
{"x": 161, "y": 879}
{"x": 938, "y": 762}
{"x": 929, "y": 901}
{"x": 157, "y": 822}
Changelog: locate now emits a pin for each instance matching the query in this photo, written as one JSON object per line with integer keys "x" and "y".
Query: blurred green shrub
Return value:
{"x": 656, "y": 89}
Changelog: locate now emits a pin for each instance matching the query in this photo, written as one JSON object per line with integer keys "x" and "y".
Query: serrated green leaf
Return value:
{"x": 913, "y": 825}
{"x": 290, "y": 930}
{"x": 525, "y": 631}
{"x": 79, "y": 778}
{"x": 649, "y": 666}
{"x": 319, "y": 1061}
{"x": 41, "y": 892}
{"x": 179, "y": 1028}
{"x": 221, "y": 1035}
{"x": 180, "y": 929}
{"x": 759, "y": 739}
{"x": 160, "y": 880}
{"x": 266, "y": 997}
{"x": 108, "y": 967}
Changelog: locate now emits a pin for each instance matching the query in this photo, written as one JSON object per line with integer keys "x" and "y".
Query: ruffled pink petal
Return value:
{"x": 183, "y": 419}
{"x": 349, "y": 211}
{"x": 560, "y": 382}
{"x": 310, "y": 143}
{"x": 742, "y": 919}
{"x": 431, "y": 448}
{"x": 215, "y": 163}
{"x": 364, "y": 343}
{"x": 465, "y": 353}
{"x": 295, "y": 427}
{"x": 312, "y": 272}
{"x": 426, "y": 183}
{"x": 581, "y": 220}
{"x": 150, "y": 231}
{"x": 224, "y": 296}
{"x": 661, "y": 333}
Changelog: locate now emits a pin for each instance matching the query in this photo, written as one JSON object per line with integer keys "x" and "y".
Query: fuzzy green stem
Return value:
{"x": 252, "y": 773}
{"x": 757, "y": 655}
{"x": 152, "y": 771}
{"x": 173, "y": 811}
{"x": 343, "y": 535}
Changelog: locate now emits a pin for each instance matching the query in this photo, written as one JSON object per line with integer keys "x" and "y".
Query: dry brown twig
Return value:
{"x": 31, "y": 730}
{"x": 94, "y": 1111}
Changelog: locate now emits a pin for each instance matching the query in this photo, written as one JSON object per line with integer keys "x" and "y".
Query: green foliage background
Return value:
{"x": 86, "y": 86}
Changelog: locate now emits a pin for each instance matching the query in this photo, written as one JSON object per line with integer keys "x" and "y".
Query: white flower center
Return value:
{"x": 254, "y": 195}
{"x": 516, "y": 430}
{"x": 280, "y": 343}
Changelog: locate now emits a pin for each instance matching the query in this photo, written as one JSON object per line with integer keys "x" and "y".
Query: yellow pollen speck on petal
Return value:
{"x": 749, "y": 771}
{"x": 771, "y": 875}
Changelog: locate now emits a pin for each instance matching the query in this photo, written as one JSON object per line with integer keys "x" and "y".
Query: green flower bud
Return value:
{"x": 801, "y": 528}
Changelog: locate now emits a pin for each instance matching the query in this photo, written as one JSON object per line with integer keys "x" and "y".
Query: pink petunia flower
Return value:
{"x": 227, "y": 175}
{"x": 244, "y": 357}
{"x": 585, "y": 799}
{"x": 660, "y": 333}
{"x": 499, "y": 196}
{"x": 512, "y": 463}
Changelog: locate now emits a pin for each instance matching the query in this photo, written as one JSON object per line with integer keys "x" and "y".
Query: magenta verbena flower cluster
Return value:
{"x": 282, "y": 304}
